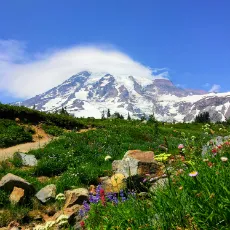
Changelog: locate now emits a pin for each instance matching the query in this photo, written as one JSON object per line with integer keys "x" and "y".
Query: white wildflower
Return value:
{"x": 107, "y": 158}
{"x": 60, "y": 196}
{"x": 224, "y": 159}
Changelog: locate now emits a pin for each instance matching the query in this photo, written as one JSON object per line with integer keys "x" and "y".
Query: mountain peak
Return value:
{"x": 87, "y": 94}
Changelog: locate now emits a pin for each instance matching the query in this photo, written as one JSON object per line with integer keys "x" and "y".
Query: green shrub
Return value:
{"x": 12, "y": 134}
{"x": 35, "y": 116}
{"x": 4, "y": 198}
{"x": 53, "y": 130}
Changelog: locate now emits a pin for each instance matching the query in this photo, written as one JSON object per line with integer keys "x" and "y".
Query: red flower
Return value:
{"x": 214, "y": 150}
{"x": 82, "y": 223}
{"x": 219, "y": 146}
{"x": 102, "y": 196}
{"x": 210, "y": 164}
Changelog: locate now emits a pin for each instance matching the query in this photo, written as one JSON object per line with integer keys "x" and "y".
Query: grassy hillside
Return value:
{"x": 12, "y": 134}
{"x": 78, "y": 159}
{"x": 27, "y": 115}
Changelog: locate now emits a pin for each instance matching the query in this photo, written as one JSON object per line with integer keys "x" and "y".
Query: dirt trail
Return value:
{"x": 40, "y": 139}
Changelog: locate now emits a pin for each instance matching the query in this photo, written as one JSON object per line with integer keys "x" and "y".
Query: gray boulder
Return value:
{"x": 47, "y": 193}
{"x": 9, "y": 181}
{"x": 27, "y": 160}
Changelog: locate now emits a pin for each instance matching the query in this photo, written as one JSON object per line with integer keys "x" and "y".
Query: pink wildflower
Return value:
{"x": 180, "y": 146}
{"x": 193, "y": 174}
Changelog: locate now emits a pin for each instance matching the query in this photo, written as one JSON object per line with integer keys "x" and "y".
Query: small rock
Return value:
{"x": 162, "y": 147}
{"x": 47, "y": 193}
{"x": 9, "y": 181}
{"x": 17, "y": 195}
{"x": 13, "y": 225}
{"x": 159, "y": 184}
{"x": 27, "y": 160}
{"x": 143, "y": 195}
{"x": 50, "y": 210}
{"x": 35, "y": 215}
{"x": 76, "y": 196}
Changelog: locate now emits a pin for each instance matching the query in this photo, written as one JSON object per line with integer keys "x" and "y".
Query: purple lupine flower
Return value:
{"x": 81, "y": 212}
{"x": 94, "y": 199}
{"x": 86, "y": 206}
{"x": 122, "y": 193}
{"x": 98, "y": 189}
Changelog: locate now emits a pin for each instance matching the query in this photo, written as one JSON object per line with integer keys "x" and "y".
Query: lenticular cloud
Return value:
{"x": 23, "y": 75}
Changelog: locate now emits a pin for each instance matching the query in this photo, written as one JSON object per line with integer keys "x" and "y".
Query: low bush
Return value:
{"x": 52, "y": 130}
{"x": 27, "y": 115}
{"x": 12, "y": 134}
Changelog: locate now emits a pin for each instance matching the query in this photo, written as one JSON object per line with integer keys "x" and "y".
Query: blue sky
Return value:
{"x": 191, "y": 39}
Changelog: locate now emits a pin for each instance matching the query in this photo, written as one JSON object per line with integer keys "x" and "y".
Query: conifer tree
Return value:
{"x": 108, "y": 113}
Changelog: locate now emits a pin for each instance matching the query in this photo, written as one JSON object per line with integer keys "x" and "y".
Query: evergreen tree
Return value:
{"x": 103, "y": 115}
{"x": 202, "y": 118}
{"x": 108, "y": 113}
{"x": 128, "y": 118}
{"x": 152, "y": 118}
{"x": 143, "y": 117}
{"x": 63, "y": 111}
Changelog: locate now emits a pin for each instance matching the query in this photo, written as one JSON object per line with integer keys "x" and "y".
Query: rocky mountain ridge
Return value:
{"x": 88, "y": 94}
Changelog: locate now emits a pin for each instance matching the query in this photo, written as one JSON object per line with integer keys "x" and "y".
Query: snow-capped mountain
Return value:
{"x": 87, "y": 94}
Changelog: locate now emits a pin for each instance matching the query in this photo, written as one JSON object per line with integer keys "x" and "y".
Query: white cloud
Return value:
{"x": 215, "y": 88}
{"x": 23, "y": 77}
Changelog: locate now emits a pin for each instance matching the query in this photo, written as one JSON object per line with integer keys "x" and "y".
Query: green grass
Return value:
{"x": 53, "y": 130}
{"x": 200, "y": 202}
{"x": 77, "y": 160}
{"x": 12, "y": 134}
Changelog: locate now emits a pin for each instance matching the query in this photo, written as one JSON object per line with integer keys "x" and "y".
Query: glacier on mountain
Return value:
{"x": 88, "y": 94}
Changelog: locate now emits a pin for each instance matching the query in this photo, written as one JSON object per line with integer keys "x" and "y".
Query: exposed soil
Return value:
{"x": 40, "y": 139}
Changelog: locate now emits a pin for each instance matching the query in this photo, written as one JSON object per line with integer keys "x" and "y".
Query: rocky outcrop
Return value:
{"x": 76, "y": 196}
{"x": 99, "y": 90}
{"x": 136, "y": 163}
{"x": 9, "y": 181}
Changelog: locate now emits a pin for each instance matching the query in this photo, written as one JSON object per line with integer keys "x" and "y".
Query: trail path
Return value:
{"x": 44, "y": 139}
{"x": 40, "y": 139}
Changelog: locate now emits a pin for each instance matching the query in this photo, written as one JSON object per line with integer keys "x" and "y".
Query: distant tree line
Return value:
{"x": 203, "y": 117}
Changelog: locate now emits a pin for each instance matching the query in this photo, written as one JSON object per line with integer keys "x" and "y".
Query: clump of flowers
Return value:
{"x": 101, "y": 197}
{"x": 181, "y": 149}
{"x": 60, "y": 198}
{"x": 162, "y": 157}
{"x": 206, "y": 127}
